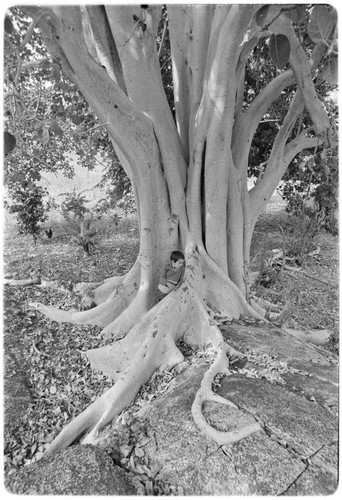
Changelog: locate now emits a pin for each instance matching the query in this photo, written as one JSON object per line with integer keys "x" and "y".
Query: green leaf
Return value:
{"x": 77, "y": 119}
{"x": 9, "y": 142}
{"x": 35, "y": 175}
{"x": 295, "y": 12}
{"x": 280, "y": 50}
{"x": 261, "y": 15}
{"x": 8, "y": 25}
{"x": 322, "y": 24}
{"x": 330, "y": 71}
{"x": 56, "y": 129}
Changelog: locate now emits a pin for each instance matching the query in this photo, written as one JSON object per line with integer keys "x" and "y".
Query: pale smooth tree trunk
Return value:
{"x": 189, "y": 177}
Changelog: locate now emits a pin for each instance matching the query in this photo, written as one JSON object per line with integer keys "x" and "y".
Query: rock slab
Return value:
{"x": 79, "y": 470}
{"x": 294, "y": 453}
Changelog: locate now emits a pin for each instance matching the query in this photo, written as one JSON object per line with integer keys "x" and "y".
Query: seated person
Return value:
{"x": 172, "y": 274}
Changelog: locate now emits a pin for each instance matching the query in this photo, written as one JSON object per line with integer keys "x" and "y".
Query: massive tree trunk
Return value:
{"x": 189, "y": 176}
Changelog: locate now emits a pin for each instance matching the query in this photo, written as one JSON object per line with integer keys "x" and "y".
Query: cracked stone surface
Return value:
{"x": 303, "y": 424}
{"x": 300, "y": 355}
{"x": 294, "y": 453}
{"x": 79, "y": 470}
{"x": 200, "y": 466}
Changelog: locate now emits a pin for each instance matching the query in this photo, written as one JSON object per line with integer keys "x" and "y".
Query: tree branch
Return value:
{"x": 276, "y": 165}
{"x": 30, "y": 30}
{"x": 302, "y": 69}
{"x": 190, "y": 31}
{"x": 246, "y": 123}
{"x": 105, "y": 45}
{"x": 130, "y": 129}
{"x": 298, "y": 144}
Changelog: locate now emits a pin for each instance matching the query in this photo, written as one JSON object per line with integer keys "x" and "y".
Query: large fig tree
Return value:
{"x": 188, "y": 169}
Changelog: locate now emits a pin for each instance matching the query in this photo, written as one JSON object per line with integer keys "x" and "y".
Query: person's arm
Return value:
{"x": 163, "y": 276}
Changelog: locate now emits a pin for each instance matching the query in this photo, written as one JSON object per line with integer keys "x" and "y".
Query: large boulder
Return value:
{"x": 256, "y": 465}
{"x": 79, "y": 470}
{"x": 294, "y": 453}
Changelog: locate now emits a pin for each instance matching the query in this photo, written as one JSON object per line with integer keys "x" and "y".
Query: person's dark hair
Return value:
{"x": 177, "y": 255}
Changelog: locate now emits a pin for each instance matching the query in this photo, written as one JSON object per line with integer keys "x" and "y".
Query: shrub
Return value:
{"x": 29, "y": 208}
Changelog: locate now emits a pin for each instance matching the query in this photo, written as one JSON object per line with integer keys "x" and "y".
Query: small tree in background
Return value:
{"x": 310, "y": 189}
{"x": 74, "y": 209}
{"x": 28, "y": 206}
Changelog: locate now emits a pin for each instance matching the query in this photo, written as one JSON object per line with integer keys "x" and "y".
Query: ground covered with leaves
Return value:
{"x": 49, "y": 358}
{"x": 304, "y": 286}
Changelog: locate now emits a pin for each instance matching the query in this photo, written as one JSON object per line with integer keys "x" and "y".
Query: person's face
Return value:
{"x": 177, "y": 264}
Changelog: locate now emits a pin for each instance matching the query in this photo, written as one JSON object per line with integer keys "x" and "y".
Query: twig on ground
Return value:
{"x": 23, "y": 282}
{"x": 297, "y": 269}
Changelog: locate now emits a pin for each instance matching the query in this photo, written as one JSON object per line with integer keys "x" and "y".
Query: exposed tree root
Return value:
{"x": 205, "y": 393}
{"x": 103, "y": 292}
{"x": 129, "y": 316}
{"x": 150, "y": 350}
{"x": 113, "y": 359}
{"x": 150, "y": 345}
{"x": 101, "y": 315}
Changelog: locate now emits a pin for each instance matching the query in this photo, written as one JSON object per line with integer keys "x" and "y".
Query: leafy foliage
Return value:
{"x": 43, "y": 109}
{"x": 311, "y": 190}
{"x": 319, "y": 21}
{"x": 29, "y": 207}
{"x": 310, "y": 184}
{"x": 74, "y": 206}
{"x": 48, "y": 123}
{"x": 119, "y": 193}
{"x": 320, "y": 25}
